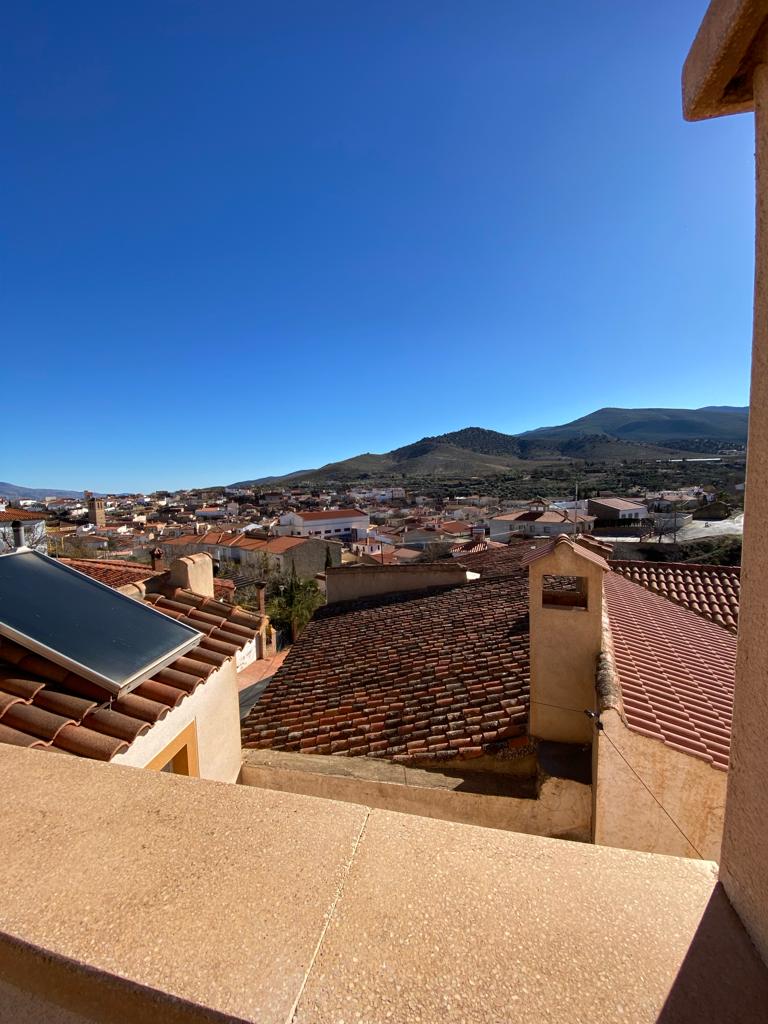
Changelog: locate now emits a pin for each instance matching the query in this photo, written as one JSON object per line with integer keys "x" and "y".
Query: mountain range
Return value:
{"x": 604, "y": 435}
{"x": 35, "y": 493}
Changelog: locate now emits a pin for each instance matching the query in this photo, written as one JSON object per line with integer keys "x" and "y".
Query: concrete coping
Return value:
{"x": 133, "y": 895}
{"x": 730, "y": 42}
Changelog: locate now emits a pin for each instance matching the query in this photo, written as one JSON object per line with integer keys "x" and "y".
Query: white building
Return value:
{"x": 616, "y": 508}
{"x": 337, "y": 523}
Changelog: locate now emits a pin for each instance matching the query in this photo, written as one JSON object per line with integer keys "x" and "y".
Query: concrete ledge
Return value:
{"x": 561, "y": 810}
{"x": 138, "y": 896}
{"x": 717, "y": 77}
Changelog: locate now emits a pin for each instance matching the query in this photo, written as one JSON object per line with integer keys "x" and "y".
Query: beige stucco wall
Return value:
{"x": 744, "y": 867}
{"x": 351, "y": 583}
{"x": 650, "y": 797}
{"x": 214, "y": 709}
{"x": 563, "y": 808}
{"x": 565, "y": 644}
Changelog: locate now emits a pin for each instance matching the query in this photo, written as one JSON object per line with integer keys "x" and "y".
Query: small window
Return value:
{"x": 564, "y": 591}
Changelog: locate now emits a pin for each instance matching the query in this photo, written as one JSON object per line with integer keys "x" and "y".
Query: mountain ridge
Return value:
{"x": 610, "y": 433}
{"x": 8, "y": 490}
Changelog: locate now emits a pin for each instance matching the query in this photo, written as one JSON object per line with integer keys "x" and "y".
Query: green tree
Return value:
{"x": 297, "y": 603}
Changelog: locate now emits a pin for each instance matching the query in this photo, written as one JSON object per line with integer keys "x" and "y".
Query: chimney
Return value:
{"x": 565, "y": 598}
{"x": 193, "y": 572}
{"x": 158, "y": 559}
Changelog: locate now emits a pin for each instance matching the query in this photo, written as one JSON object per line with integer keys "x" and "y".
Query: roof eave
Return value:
{"x": 717, "y": 75}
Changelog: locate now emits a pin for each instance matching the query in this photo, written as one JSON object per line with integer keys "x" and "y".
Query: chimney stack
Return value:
{"x": 158, "y": 559}
{"x": 565, "y": 588}
{"x": 193, "y": 572}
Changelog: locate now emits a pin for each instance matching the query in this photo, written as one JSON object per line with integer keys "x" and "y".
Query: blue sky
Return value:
{"x": 242, "y": 237}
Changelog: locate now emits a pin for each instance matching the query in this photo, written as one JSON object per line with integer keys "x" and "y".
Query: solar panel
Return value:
{"x": 85, "y": 626}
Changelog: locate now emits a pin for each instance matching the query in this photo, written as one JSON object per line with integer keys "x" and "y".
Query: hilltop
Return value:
{"x": 608, "y": 434}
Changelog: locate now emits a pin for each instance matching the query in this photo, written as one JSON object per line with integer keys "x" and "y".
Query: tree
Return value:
{"x": 33, "y": 536}
{"x": 296, "y": 605}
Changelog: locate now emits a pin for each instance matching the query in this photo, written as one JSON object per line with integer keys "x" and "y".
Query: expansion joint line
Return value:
{"x": 329, "y": 917}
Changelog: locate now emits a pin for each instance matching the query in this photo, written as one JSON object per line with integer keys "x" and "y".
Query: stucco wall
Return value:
{"x": 309, "y": 558}
{"x": 562, "y": 810}
{"x": 744, "y": 867}
{"x": 565, "y": 644}
{"x": 354, "y": 582}
{"x": 653, "y": 798}
{"x": 214, "y": 709}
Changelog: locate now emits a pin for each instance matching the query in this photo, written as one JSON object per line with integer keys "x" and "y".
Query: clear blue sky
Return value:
{"x": 242, "y": 237}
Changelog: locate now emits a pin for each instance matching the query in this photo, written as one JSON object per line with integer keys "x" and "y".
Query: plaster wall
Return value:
{"x": 354, "y": 582}
{"x": 565, "y": 644}
{"x": 193, "y": 572}
{"x": 562, "y": 810}
{"x": 650, "y": 797}
{"x": 213, "y": 707}
{"x": 744, "y": 862}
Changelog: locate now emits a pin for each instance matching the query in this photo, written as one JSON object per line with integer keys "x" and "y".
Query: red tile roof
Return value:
{"x": 552, "y": 515}
{"x": 417, "y": 677}
{"x": 709, "y": 590}
{"x": 18, "y": 515}
{"x": 44, "y": 705}
{"x": 454, "y": 526}
{"x": 475, "y": 547}
{"x": 114, "y": 572}
{"x": 118, "y": 572}
{"x": 619, "y": 504}
{"x": 213, "y": 538}
{"x": 676, "y": 671}
{"x": 332, "y": 513}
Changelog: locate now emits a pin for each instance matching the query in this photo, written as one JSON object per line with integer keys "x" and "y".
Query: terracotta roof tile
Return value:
{"x": 417, "y": 677}
{"x": 19, "y": 515}
{"x": 709, "y": 590}
{"x": 331, "y": 513}
{"x": 114, "y": 572}
{"x": 676, "y": 671}
{"x": 44, "y": 705}
{"x": 119, "y": 572}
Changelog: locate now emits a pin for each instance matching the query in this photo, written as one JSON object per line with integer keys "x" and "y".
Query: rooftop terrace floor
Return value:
{"x": 133, "y": 895}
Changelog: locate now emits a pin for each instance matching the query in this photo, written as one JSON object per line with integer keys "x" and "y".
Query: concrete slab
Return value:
{"x": 216, "y": 894}
{"x": 448, "y": 922}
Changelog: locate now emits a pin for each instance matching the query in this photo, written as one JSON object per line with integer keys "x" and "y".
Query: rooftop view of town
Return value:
{"x": 470, "y": 729}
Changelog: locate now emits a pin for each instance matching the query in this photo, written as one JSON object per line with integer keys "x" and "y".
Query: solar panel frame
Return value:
{"x": 182, "y": 636}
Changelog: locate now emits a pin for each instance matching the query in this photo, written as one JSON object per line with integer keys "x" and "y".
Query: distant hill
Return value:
{"x": 15, "y": 491}
{"x": 714, "y": 422}
{"x": 607, "y": 434}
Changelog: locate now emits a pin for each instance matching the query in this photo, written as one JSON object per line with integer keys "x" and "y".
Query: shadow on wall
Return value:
{"x": 722, "y": 977}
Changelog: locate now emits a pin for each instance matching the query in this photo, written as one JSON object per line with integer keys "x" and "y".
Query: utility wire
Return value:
{"x": 603, "y": 733}
{"x": 652, "y": 795}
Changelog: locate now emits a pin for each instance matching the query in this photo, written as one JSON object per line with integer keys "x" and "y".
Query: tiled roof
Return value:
{"x": 213, "y": 538}
{"x": 333, "y": 513}
{"x": 583, "y": 550}
{"x": 676, "y": 671}
{"x": 709, "y": 590}
{"x": 118, "y": 572}
{"x": 114, "y": 572}
{"x": 500, "y": 562}
{"x": 475, "y": 547}
{"x": 44, "y": 705}
{"x": 549, "y": 516}
{"x": 455, "y": 526}
{"x": 619, "y": 504}
{"x": 18, "y": 515}
{"x": 417, "y": 677}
